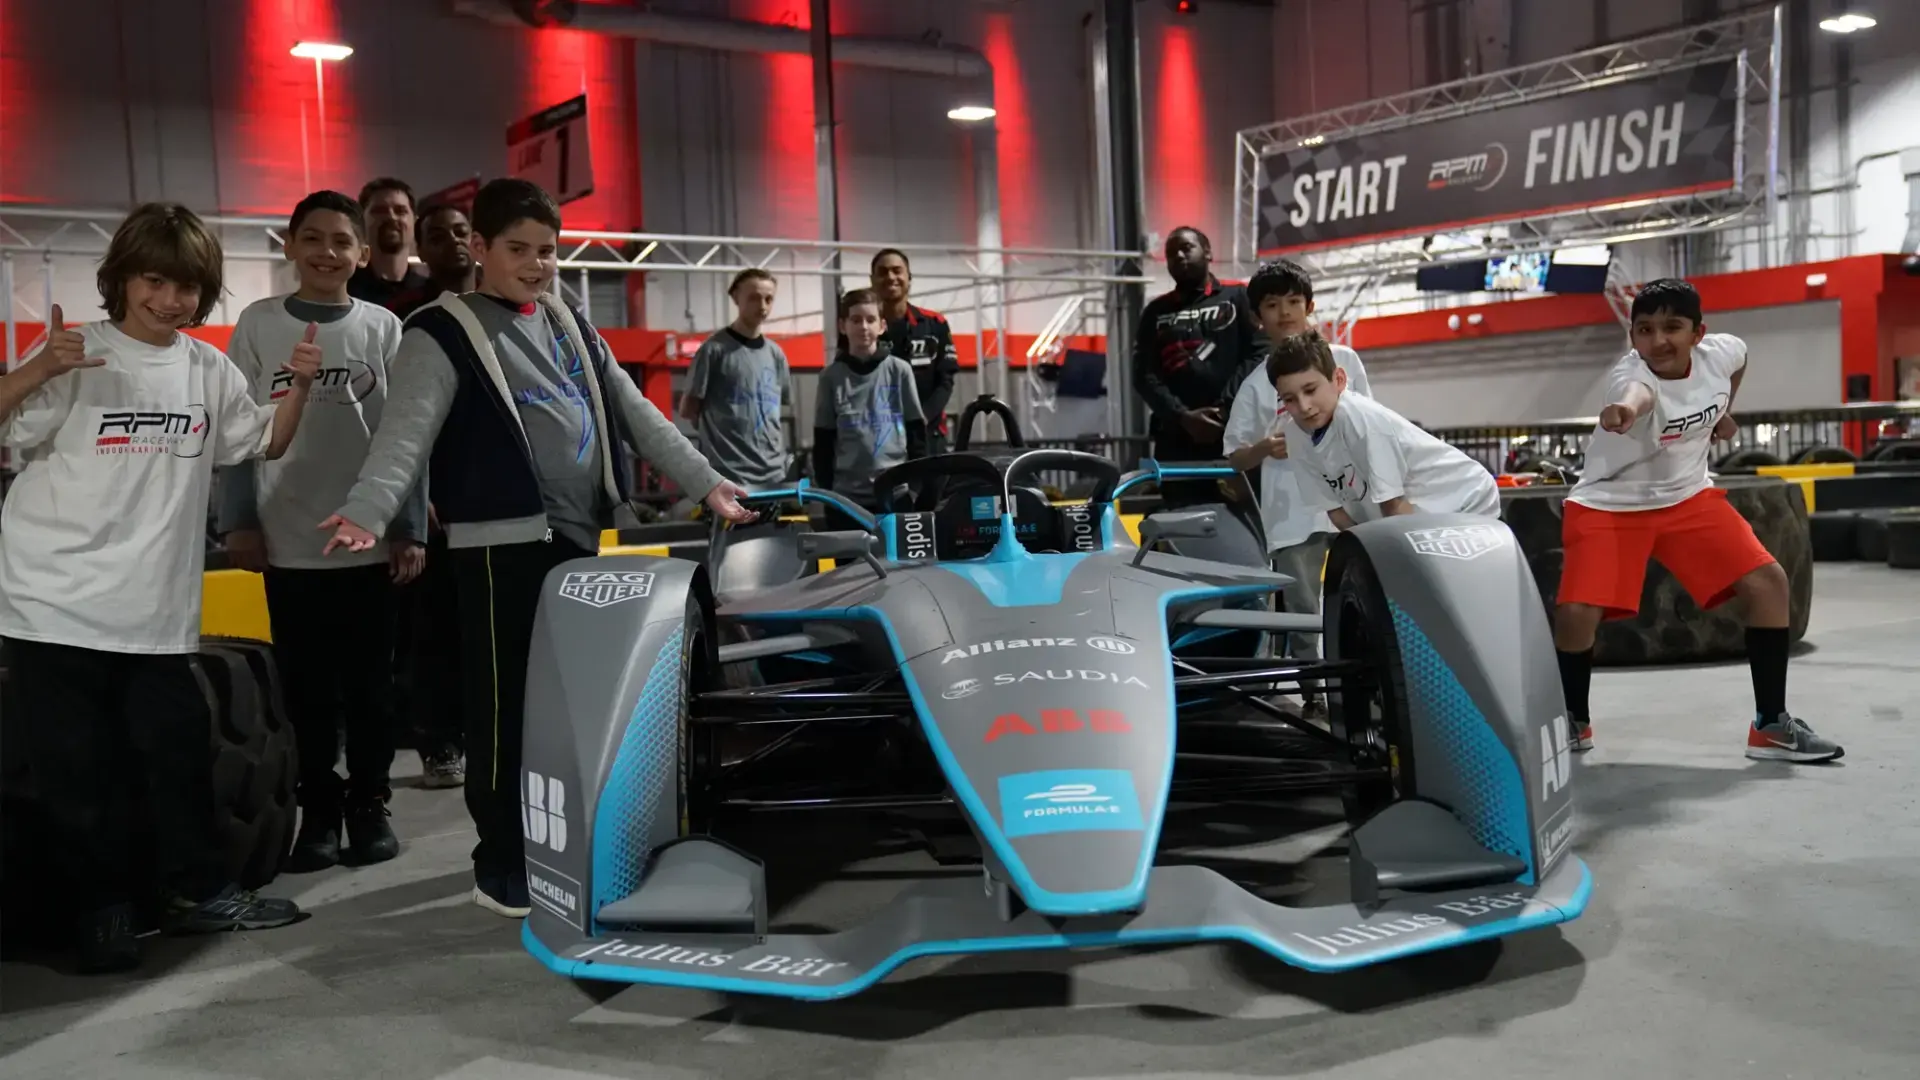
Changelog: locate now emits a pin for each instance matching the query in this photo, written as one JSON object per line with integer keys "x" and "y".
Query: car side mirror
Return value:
{"x": 846, "y": 544}
{"x": 1187, "y": 525}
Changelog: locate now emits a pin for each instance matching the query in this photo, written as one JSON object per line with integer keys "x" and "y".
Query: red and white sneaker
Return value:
{"x": 1579, "y": 736}
{"x": 1788, "y": 738}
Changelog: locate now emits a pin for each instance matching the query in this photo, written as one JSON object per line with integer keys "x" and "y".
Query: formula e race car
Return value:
{"x": 1032, "y": 690}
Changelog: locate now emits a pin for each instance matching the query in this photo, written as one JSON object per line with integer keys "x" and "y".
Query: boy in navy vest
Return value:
{"x": 515, "y": 407}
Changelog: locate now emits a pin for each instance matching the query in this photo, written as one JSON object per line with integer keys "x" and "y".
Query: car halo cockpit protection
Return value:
{"x": 1040, "y": 682}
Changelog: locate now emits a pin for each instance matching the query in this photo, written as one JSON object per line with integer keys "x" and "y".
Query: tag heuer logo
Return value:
{"x": 1458, "y": 541}
{"x": 601, "y": 588}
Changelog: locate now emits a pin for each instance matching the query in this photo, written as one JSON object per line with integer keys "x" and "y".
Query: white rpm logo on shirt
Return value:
{"x": 179, "y": 432}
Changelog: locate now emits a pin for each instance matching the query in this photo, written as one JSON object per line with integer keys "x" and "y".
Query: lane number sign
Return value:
{"x": 551, "y": 149}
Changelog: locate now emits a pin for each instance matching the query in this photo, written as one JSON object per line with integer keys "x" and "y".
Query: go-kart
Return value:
{"x": 1003, "y": 672}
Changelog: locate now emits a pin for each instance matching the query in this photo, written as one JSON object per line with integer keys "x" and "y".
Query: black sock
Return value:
{"x": 1576, "y": 678}
{"x": 1767, "y": 656}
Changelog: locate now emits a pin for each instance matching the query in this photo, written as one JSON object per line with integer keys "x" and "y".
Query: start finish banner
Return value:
{"x": 1662, "y": 135}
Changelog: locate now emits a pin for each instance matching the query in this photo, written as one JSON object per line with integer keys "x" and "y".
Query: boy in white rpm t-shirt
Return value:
{"x": 121, "y": 423}
{"x": 1281, "y": 296}
{"x": 1645, "y": 493}
{"x": 1356, "y": 456}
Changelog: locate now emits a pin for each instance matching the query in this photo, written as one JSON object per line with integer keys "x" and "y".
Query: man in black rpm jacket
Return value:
{"x": 1190, "y": 346}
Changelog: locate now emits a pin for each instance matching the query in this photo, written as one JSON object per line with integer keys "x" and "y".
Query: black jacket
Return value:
{"x": 482, "y": 468}
{"x": 1189, "y": 348}
{"x": 925, "y": 341}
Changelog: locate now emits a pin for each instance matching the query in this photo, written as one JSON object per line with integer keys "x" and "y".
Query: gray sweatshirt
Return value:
{"x": 561, "y": 404}
{"x": 287, "y": 499}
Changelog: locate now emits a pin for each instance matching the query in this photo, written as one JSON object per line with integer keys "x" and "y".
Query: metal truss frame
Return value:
{"x": 985, "y": 281}
{"x": 1752, "y": 39}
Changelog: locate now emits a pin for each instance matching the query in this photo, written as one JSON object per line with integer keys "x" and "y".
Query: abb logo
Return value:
{"x": 1053, "y": 721}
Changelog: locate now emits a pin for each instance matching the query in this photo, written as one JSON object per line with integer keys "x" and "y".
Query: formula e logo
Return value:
{"x": 1479, "y": 171}
{"x": 1110, "y": 645}
{"x": 605, "y": 588}
{"x": 543, "y": 812}
{"x": 1556, "y": 759}
{"x": 1056, "y": 721}
{"x": 965, "y": 688}
{"x": 1068, "y": 800}
{"x": 1458, "y": 541}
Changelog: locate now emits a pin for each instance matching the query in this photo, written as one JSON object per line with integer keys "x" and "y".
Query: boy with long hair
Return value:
{"x": 122, "y": 423}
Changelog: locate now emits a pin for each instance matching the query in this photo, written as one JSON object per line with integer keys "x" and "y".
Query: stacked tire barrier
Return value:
{"x": 1670, "y": 628}
{"x": 254, "y": 770}
{"x": 1880, "y": 534}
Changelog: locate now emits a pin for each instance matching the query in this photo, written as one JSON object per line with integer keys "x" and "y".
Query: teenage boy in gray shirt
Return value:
{"x": 737, "y": 389}
{"x": 333, "y": 617}
{"x": 515, "y": 408}
{"x": 866, "y": 416}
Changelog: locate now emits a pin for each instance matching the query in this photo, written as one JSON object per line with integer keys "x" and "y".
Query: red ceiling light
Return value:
{"x": 1186, "y": 7}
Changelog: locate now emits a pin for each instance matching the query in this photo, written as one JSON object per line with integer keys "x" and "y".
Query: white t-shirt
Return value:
{"x": 1368, "y": 454}
{"x": 103, "y": 536}
{"x": 1662, "y": 459}
{"x": 1257, "y": 413}
{"x": 311, "y": 480}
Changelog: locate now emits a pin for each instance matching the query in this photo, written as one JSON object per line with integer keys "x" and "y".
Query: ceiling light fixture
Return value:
{"x": 321, "y": 50}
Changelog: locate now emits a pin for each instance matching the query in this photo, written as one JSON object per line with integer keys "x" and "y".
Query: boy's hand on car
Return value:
{"x": 65, "y": 349}
{"x": 305, "y": 361}
{"x": 406, "y": 558}
{"x": 346, "y": 535}
{"x": 1617, "y": 419}
{"x": 1275, "y": 446}
{"x": 1725, "y": 428}
{"x": 725, "y": 501}
{"x": 247, "y": 550}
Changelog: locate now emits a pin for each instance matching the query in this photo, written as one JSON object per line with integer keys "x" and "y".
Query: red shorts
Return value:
{"x": 1703, "y": 542}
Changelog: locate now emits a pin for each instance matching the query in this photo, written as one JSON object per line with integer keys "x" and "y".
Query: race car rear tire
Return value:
{"x": 699, "y": 746}
{"x": 1368, "y": 715}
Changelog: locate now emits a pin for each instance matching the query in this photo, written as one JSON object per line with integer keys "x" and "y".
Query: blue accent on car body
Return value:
{"x": 1493, "y": 794}
{"x": 646, "y": 763}
{"x": 1069, "y": 800}
{"x": 804, "y": 492}
{"x": 1525, "y": 920}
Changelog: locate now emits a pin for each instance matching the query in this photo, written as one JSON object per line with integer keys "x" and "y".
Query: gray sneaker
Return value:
{"x": 449, "y": 771}
{"x": 1788, "y": 738}
{"x": 232, "y": 908}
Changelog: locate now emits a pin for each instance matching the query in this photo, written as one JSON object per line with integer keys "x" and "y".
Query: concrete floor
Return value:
{"x": 1750, "y": 921}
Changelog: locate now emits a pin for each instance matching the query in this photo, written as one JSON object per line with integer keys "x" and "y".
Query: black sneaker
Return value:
{"x": 107, "y": 942}
{"x": 369, "y": 838}
{"x": 317, "y": 846}
{"x": 232, "y": 908}
{"x": 503, "y": 895}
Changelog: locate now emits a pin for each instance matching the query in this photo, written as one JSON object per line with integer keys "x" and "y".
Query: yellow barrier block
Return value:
{"x": 1807, "y": 472}
{"x": 233, "y": 603}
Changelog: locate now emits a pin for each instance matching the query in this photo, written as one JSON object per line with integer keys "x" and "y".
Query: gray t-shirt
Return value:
{"x": 742, "y": 385}
{"x": 868, "y": 413}
{"x": 550, "y": 392}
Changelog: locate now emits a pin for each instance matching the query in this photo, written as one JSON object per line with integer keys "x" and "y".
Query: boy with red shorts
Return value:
{"x": 1646, "y": 494}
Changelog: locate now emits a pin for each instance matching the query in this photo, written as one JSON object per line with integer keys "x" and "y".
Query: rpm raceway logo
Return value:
{"x": 349, "y": 383}
{"x": 1479, "y": 171}
{"x": 180, "y": 432}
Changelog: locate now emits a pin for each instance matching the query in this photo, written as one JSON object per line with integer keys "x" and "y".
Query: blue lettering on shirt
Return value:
{"x": 882, "y": 423}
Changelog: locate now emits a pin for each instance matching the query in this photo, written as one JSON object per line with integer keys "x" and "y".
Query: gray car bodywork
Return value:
{"x": 1044, "y": 687}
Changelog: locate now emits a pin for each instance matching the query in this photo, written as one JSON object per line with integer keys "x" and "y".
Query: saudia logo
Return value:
{"x": 1411, "y": 924}
{"x": 1065, "y": 675}
{"x": 770, "y": 964}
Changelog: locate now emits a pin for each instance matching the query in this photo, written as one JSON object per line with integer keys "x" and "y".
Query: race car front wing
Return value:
{"x": 1184, "y": 904}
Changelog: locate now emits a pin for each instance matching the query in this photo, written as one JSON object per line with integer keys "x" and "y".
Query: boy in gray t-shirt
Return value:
{"x": 737, "y": 389}
{"x": 867, "y": 415}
